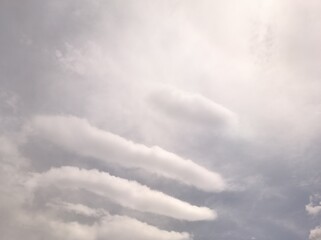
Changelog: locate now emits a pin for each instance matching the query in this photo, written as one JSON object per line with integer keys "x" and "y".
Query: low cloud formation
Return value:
{"x": 124, "y": 192}
{"x": 77, "y": 135}
{"x": 193, "y": 108}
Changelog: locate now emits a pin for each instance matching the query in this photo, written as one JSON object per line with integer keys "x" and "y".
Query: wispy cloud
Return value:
{"x": 77, "y": 135}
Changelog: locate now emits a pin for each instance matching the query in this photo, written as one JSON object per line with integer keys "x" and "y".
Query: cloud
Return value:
{"x": 193, "y": 108}
{"x": 314, "y": 207}
{"x": 124, "y": 192}
{"x": 315, "y": 234}
{"x": 77, "y": 135}
{"x": 111, "y": 226}
{"x": 78, "y": 208}
{"x": 313, "y": 210}
{"x": 123, "y": 228}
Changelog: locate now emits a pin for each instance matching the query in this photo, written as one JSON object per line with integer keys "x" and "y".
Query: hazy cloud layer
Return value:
{"x": 216, "y": 103}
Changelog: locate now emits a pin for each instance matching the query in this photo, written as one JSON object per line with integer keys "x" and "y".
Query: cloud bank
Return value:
{"x": 77, "y": 135}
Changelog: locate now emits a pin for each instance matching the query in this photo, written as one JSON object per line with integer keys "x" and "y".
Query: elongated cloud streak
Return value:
{"x": 113, "y": 226}
{"x": 126, "y": 193}
{"x": 79, "y": 209}
{"x": 79, "y": 136}
{"x": 124, "y": 228}
{"x": 195, "y": 108}
{"x": 109, "y": 227}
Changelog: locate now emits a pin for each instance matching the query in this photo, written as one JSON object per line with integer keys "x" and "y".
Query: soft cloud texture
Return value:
{"x": 242, "y": 101}
{"x": 110, "y": 226}
{"x": 126, "y": 193}
{"x": 315, "y": 234}
{"x": 78, "y": 136}
{"x": 193, "y": 108}
{"x": 77, "y": 209}
{"x": 313, "y": 210}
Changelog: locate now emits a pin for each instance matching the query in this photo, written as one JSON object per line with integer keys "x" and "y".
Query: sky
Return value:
{"x": 160, "y": 120}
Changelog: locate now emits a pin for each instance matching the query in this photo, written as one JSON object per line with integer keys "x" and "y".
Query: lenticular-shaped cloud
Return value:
{"x": 124, "y": 192}
{"x": 79, "y": 136}
{"x": 194, "y": 108}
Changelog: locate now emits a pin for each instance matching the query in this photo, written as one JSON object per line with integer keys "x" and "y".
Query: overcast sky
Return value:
{"x": 160, "y": 120}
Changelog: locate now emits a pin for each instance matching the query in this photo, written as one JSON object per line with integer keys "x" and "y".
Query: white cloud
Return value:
{"x": 79, "y": 136}
{"x": 110, "y": 226}
{"x": 194, "y": 108}
{"x": 315, "y": 234}
{"x": 78, "y": 208}
{"x": 124, "y": 228}
{"x": 314, "y": 207}
{"x": 126, "y": 193}
{"x": 313, "y": 210}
